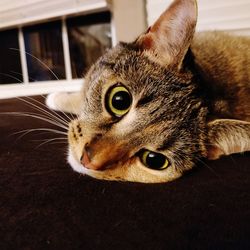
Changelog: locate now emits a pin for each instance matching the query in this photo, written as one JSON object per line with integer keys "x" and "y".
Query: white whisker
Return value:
{"x": 53, "y": 111}
{"x": 69, "y": 116}
{"x": 37, "y": 117}
{"x": 47, "y": 67}
{"x": 18, "y": 73}
{"x": 26, "y": 131}
{"x": 57, "y": 117}
{"x": 13, "y": 77}
{"x": 47, "y": 141}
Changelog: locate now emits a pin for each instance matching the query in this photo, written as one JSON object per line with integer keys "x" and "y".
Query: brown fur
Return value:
{"x": 189, "y": 101}
{"x": 224, "y": 63}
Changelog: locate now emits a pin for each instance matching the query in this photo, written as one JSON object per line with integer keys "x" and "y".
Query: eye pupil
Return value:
{"x": 155, "y": 161}
{"x": 121, "y": 100}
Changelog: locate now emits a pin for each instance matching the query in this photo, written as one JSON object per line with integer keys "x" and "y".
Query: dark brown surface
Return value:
{"x": 45, "y": 205}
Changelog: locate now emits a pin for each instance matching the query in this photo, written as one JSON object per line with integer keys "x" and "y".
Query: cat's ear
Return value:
{"x": 227, "y": 137}
{"x": 169, "y": 38}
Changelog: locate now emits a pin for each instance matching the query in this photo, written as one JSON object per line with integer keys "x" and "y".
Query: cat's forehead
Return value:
{"x": 135, "y": 69}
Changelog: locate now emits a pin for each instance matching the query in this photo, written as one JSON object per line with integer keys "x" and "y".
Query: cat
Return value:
{"x": 152, "y": 109}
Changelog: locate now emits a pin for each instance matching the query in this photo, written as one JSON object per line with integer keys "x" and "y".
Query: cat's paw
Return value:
{"x": 51, "y": 101}
{"x": 58, "y": 101}
{"x": 65, "y": 102}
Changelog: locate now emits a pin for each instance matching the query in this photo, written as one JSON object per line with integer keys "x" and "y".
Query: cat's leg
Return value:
{"x": 65, "y": 102}
{"x": 227, "y": 137}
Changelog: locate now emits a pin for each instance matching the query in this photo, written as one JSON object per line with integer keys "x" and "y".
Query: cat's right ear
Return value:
{"x": 169, "y": 38}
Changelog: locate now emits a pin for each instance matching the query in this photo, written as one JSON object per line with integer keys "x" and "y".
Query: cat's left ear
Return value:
{"x": 227, "y": 137}
{"x": 169, "y": 38}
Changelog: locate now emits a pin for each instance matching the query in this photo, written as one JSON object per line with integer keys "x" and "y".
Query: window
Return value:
{"x": 89, "y": 37}
{"x": 10, "y": 62}
{"x": 58, "y": 50}
{"x": 43, "y": 44}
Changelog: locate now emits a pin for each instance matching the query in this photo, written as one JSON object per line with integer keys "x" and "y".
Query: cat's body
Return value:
{"x": 224, "y": 62}
{"x": 151, "y": 109}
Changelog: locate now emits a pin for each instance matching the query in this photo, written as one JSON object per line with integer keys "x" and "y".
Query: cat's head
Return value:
{"x": 141, "y": 118}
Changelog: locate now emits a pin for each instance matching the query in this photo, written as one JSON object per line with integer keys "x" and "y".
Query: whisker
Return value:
{"x": 65, "y": 114}
{"x": 44, "y": 111}
{"x": 52, "y": 139}
{"x": 47, "y": 141}
{"x": 21, "y": 136}
{"x": 61, "y": 142}
{"x": 13, "y": 77}
{"x": 68, "y": 115}
{"x": 18, "y": 73}
{"x": 26, "y": 131}
{"x": 37, "y": 117}
{"x": 40, "y": 61}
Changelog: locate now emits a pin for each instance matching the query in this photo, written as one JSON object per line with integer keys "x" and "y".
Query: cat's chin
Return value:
{"x": 77, "y": 166}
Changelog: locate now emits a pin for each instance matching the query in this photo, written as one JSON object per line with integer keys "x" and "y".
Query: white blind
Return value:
{"x": 19, "y": 12}
{"x": 229, "y": 15}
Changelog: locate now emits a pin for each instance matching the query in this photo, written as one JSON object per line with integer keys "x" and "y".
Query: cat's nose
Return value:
{"x": 86, "y": 160}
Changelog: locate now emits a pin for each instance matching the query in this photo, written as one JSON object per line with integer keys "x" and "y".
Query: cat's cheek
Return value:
{"x": 134, "y": 171}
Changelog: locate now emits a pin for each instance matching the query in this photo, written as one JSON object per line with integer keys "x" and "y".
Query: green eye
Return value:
{"x": 118, "y": 101}
{"x": 154, "y": 160}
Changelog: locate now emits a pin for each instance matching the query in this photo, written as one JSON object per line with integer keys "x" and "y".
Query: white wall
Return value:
{"x": 229, "y": 15}
{"x": 129, "y": 19}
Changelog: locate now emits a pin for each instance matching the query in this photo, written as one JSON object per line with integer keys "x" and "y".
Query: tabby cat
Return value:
{"x": 151, "y": 109}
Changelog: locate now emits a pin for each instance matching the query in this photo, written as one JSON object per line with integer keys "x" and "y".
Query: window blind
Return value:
{"x": 17, "y": 13}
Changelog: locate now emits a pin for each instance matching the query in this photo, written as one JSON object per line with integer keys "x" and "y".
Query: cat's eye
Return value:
{"x": 118, "y": 100}
{"x": 154, "y": 160}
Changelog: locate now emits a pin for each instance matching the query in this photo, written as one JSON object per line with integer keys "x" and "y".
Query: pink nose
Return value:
{"x": 85, "y": 161}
